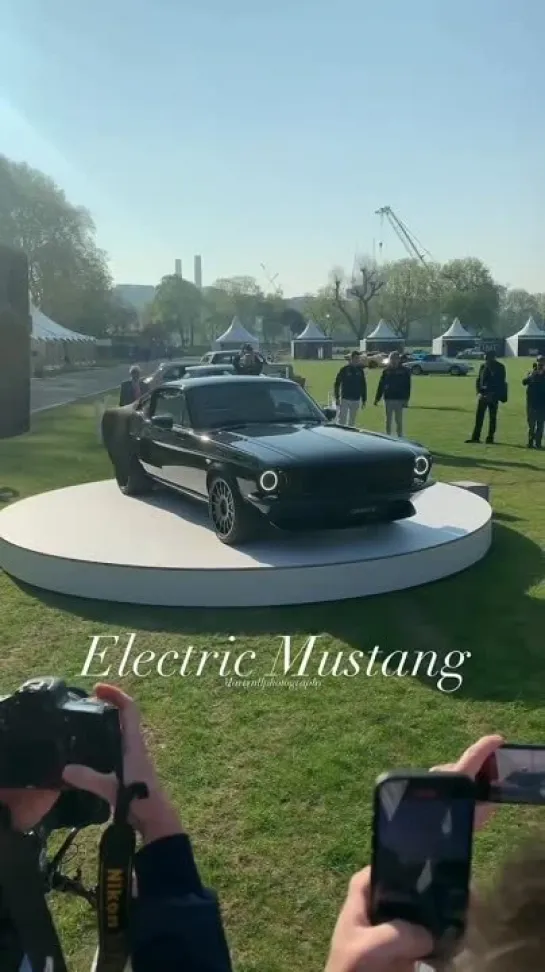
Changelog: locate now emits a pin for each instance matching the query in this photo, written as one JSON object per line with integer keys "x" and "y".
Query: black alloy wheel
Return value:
{"x": 416, "y": 370}
{"x": 455, "y": 371}
{"x": 233, "y": 520}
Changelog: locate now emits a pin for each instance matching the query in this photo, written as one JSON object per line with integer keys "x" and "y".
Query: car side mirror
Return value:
{"x": 330, "y": 413}
{"x": 164, "y": 422}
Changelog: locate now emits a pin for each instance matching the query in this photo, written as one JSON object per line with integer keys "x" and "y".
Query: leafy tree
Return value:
{"x": 516, "y": 306}
{"x": 293, "y": 322}
{"x": 411, "y": 293}
{"x": 324, "y": 310}
{"x": 245, "y": 297}
{"x": 68, "y": 273}
{"x": 471, "y": 294}
{"x": 365, "y": 286}
{"x": 176, "y": 308}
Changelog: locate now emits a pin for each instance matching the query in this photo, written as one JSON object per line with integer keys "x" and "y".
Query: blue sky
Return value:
{"x": 269, "y": 132}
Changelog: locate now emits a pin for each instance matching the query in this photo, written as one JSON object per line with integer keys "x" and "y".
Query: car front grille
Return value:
{"x": 343, "y": 481}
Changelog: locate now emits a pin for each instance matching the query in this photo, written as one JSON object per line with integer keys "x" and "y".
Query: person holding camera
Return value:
{"x": 175, "y": 922}
{"x": 248, "y": 362}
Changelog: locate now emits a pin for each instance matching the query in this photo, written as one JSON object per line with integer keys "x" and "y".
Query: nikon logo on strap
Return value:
{"x": 115, "y": 881}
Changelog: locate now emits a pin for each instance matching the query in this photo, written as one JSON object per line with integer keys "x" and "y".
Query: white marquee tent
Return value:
{"x": 382, "y": 338}
{"x": 54, "y": 345}
{"x": 529, "y": 340}
{"x": 235, "y": 336}
{"x": 456, "y": 334}
{"x": 312, "y": 343}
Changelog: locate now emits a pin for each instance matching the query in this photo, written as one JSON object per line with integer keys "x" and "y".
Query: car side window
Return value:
{"x": 169, "y": 401}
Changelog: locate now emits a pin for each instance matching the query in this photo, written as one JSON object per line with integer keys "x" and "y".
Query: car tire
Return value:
{"x": 416, "y": 370}
{"x": 132, "y": 479}
{"x": 233, "y": 520}
{"x": 455, "y": 371}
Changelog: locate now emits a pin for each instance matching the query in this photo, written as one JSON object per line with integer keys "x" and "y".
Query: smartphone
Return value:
{"x": 513, "y": 774}
{"x": 422, "y": 848}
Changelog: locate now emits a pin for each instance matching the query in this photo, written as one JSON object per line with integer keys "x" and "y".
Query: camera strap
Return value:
{"x": 23, "y": 900}
{"x": 116, "y": 856}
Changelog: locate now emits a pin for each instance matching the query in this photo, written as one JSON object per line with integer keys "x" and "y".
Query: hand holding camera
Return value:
{"x": 154, "y": 817}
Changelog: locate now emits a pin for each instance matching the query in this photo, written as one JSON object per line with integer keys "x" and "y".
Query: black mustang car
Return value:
{"x": 260, "y": 450}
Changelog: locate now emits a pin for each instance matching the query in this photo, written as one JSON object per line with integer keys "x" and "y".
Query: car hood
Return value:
{"x": 292, "y": 444}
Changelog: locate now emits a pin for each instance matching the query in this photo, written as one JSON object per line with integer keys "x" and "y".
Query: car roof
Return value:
{"x": 228, "y": 380}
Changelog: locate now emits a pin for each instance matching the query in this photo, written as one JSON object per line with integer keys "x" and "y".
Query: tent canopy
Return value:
{"x": 236, "y": 333}
{"x": 382, "y": 332}
{"x": 44, "y": 329}
{"x": 457, "y": 330}
{"x": 530, "y": 329}
{"x": 311, "y": 333}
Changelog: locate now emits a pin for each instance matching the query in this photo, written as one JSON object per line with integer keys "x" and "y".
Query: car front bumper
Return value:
{"x": 305, "y": 512}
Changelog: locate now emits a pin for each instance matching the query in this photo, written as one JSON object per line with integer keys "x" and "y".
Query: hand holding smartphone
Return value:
{"x": 422, "y": 850}
{"x": 513, "y": 774}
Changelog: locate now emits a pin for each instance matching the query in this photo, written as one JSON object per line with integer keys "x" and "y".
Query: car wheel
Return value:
{"x": 234, "y": 521}
{"x": 131, "y": 478}
{"x": 456, "y": 371}
{"x": 416, "y": 370}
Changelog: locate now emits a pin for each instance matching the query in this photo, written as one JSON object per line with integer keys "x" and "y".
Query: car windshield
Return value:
{"x": 240, "y": 403}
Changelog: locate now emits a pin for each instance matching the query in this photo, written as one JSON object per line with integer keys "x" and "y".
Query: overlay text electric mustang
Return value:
{"x": 261, "y": 452}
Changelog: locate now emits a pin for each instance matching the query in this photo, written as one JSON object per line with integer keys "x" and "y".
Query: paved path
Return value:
{"x": 58, "y": 390}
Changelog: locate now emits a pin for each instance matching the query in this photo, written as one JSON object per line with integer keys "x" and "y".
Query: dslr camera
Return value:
{"x": 45, "y": 725}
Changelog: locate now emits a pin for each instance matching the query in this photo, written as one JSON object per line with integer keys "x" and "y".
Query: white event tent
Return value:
{"x": 382, "y": 338}
{"x": 530, "y": 340}
{"x": 54, "y": 345}
{"x": 312, "y": 343}
{"x": 456, "y": 338}
{"x": 235, "y": 337}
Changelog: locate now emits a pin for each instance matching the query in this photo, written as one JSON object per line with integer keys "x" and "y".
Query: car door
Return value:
{"x": 177, "y": 454}
{"x": 432, "y": 364}
{"x": 153, "y": 439}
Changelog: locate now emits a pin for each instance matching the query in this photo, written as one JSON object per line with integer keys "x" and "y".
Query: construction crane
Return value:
{"x": 413, "y": 247}
{"x": 273, "y": 280}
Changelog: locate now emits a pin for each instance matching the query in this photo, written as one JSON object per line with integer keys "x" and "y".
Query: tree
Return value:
{"x": 176, "y": 309}
{"x": 68, "y": 273}
{"x": 245, "y": 296}
{"x": 470, "y": 294}
{"x": 365, "y": 286}
{"x": 323, "y": 309}
{"x": 410, "y": 294}
{"x": 516, "y": 306}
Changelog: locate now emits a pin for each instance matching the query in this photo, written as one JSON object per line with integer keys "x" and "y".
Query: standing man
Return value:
{"x": 491, "y": 390}
{"x": 395, "y": 388}
{"x": 132, "y": 389}
{"x": 535, "y": 399}
{"x": 248, "y": 361}
{"x": 350, "y": 390}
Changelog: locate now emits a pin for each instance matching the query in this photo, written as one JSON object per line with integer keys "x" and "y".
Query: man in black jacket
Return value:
{"x": 491, "y": 389}
{"x": 350, "y": 390}
{"x": 248, "y": 362}
{"x": 395, "y": 388}
{"x": 535, "y": 399}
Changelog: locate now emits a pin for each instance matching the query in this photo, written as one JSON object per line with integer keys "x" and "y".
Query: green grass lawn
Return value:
{"x": 275, "y": 786}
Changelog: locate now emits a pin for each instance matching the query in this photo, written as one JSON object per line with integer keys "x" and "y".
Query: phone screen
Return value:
{"x": 422, "y": 853}
{"x": 513, "y": 774}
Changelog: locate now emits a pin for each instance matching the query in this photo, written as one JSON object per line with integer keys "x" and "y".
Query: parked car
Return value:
{"x": 471, "y": 354}
{"x": 219, "y": 357}
{"x": 283, "y": 371}
{"x": 206, "y": 371}
{"x": 168, "y": 371}
{"x": 260, "y": 452}
{"x": 436, "y": 364}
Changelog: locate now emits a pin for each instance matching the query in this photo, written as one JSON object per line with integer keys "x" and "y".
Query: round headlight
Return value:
{"x": 268, "y": 481}
{"x": 422, "y": 466}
